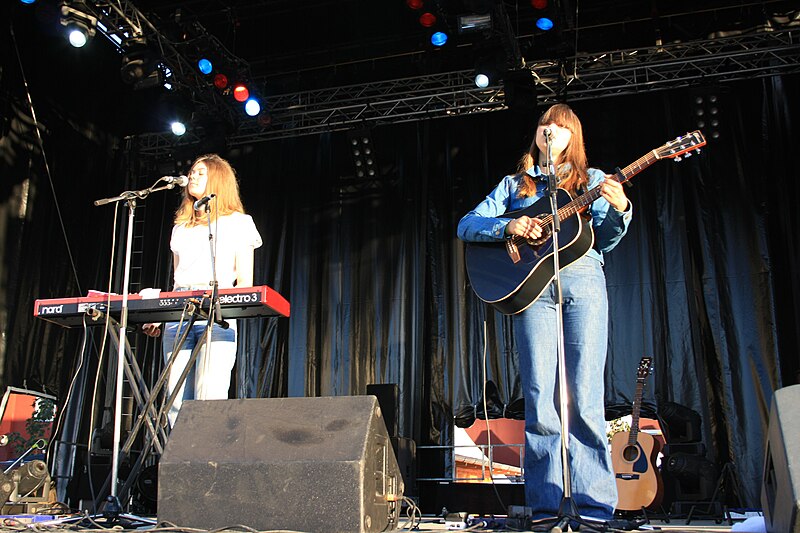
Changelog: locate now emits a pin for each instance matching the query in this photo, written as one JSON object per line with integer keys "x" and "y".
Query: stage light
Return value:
{"x": 252, "y": 107}
{"x": 474, "y": 23}
{"x": 488, "y": 70}
{"x": 240, "y": 93}
{"x": 27, "y": 1}
{"x": 414, "y": 4}
{"x": 78, "y": 36}
{"x": 427, "y": 19}
{"x": 439, "y": 38}
{"x": 361, "y": 148}
{"x": 520, "y": 91}
{"x": 205, "y": 66}
{"x": 545, "y": 16}
{"x": 220, "y": 81}
{"x": 80, "y": 26}
{"x": 140, "y": 66}
{"x": 178, "y": 128}
{"x": 706, "y": 111}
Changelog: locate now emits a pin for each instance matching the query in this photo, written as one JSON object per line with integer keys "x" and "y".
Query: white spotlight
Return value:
{"x": 178, "y": 128}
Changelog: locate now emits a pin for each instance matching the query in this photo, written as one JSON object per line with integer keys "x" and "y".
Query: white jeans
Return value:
{"x": 210, "y": 377}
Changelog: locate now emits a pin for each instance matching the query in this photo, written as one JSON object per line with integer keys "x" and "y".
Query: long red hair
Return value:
{"x": 223, "y": 183}
{"x": 572, "y": 166}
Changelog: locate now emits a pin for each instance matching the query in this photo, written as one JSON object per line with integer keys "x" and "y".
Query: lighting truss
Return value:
{"x": 670, "y": 66}
{"x": 617, "y": 73}
{"x": 120, "y": 21}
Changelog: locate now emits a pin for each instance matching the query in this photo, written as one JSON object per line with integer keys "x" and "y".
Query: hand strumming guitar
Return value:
{"x": 525, "y": 226}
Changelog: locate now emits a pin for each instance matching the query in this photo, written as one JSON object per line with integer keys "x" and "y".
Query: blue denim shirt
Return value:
{"x": 486, "y": 223}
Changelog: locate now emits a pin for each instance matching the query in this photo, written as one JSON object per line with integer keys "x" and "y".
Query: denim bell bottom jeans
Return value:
{"x": 585, "y": 319}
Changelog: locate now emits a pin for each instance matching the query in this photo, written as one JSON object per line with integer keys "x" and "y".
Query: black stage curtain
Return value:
{"x": 704, "y": 282}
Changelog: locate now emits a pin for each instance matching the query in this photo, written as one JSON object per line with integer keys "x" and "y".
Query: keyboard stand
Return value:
{"x": 155, "y": 419}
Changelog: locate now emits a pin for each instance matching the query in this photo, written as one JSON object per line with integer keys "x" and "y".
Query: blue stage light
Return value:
{"x": 544, "y": 23}
{"x": 27, "y": 1}
{"x": 439, "y": 38}
{"x": 205, "y": 66}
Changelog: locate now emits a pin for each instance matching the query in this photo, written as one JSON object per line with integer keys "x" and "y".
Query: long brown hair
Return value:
{"x": 223, "y": 183}
{"x": 572, "y": 166}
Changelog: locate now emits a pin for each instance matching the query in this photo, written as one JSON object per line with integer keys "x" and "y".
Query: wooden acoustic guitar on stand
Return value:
{"x": 633, "y": 456}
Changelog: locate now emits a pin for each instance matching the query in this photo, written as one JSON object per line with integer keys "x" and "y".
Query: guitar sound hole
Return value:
{"x": 630, "y": 453}
{"x": 546, "y": 232}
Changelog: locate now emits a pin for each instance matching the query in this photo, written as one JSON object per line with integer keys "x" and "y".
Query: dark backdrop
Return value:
{"x": 705, "y": 281}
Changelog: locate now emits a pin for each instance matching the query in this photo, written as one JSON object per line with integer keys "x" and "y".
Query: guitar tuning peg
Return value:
{"x": 688, "y": 154}
{"x": 678, "y": 158}
{"x": 697, "y": 150}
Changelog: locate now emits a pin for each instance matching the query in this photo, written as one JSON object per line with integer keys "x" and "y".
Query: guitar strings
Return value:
{"x": 590, "y": 196}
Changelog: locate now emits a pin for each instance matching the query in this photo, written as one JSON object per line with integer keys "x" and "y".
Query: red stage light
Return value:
{"x": 240, "y": 93}
{"x": 414, "y": 4}
{"x": 539, "y": 4}
{"x": 220, "y": 81}
{"x": 427, "y": 19}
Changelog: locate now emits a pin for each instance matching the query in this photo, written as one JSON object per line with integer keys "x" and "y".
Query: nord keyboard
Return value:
{"x": 238, "y": 302}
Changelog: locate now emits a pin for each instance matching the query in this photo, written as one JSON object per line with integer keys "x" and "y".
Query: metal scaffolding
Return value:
{"x": 124, "y": 25}
{"x": 583, "y": 76}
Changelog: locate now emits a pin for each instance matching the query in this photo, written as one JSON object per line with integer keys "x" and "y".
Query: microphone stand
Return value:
{"x": 114, "y": 508}
{"x": 567, "y": 510}
{"x": 214, "y": 308}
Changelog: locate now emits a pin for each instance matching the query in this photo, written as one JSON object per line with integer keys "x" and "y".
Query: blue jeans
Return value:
{"x": 585, "y": 319}
{"x": 210, "y": 376}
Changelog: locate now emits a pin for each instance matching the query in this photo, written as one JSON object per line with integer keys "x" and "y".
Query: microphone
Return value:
{"x": 181, "y": 181}
{"x": 547, "y": 132}
{"x": 203, "y": 201}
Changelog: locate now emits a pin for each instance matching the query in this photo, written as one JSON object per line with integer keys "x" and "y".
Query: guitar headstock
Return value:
{"x": 685, "y": 144}
{"x": 645, "y": 368}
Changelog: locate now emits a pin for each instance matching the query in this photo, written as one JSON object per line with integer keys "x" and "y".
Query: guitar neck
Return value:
{"x": 593, "y": 194}
{"x": 637, "y": 406}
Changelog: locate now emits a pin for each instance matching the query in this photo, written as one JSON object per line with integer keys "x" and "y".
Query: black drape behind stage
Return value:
{"x": 704, "y": 282}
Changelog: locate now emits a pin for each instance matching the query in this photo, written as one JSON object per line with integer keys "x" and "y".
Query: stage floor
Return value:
{"x": 420, "y": 524}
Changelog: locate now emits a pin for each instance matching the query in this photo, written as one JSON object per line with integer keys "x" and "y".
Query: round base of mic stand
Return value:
{"x": 111, "y": 514}
{"x": 568, "y": 519}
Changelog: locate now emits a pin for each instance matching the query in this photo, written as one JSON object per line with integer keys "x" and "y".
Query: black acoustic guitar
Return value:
{"x": 510, "y": 275}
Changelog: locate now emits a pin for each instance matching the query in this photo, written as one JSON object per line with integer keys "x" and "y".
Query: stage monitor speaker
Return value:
{"x": 388, "y": 395}
{"x": 302, "y": 464}
{"x": 780, "y": 490}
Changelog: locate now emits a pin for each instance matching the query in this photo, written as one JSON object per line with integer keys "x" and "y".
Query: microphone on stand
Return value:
{"x": 181, "y": 181}
{"x": 552, "y": 181}
{"x": 203, "y": 201}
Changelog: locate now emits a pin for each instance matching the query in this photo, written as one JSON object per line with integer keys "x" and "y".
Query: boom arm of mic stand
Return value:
{"x": 129, "y": 195}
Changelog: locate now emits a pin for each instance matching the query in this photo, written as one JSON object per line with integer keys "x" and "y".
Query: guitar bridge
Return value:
{"x": 512, "y": 249}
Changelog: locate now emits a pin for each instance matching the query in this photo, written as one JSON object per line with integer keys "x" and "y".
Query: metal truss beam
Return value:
{"x": 450, "y": 94}
{"x": 121, "y": 22}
